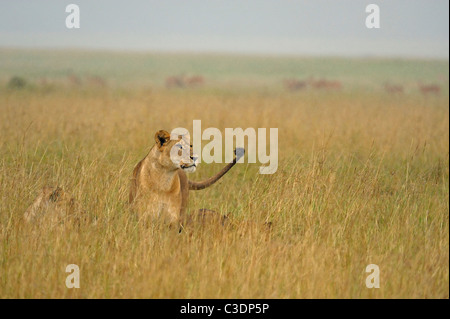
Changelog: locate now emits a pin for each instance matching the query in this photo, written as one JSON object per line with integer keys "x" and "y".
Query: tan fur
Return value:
{"x": 160, "y": 188}
{"x": 52, "y": 205}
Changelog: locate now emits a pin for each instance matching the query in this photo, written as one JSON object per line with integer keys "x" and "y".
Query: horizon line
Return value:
{"x": 258, "y": 54}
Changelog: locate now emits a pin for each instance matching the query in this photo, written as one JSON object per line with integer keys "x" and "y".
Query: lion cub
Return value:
{"x": 52, "y": 205}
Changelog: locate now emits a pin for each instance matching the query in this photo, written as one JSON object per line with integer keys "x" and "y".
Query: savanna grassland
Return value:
{"x": 363, "y": 178}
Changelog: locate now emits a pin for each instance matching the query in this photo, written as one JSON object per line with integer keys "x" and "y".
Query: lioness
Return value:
{"x": 160, "y": 187}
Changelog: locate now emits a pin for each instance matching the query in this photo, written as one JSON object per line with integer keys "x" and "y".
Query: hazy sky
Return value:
{"x": 413, "y": 28}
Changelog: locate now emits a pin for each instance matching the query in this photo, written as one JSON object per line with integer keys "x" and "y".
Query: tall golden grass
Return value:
{"x": 363, "y": 178}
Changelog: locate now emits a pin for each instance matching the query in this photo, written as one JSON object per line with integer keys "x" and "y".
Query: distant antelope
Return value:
{"x": 74, "y": 80}
{"x": 294, "y": 84}
{"x": 43, "y": 81}
{"x": 175, "y": 82}
{"x": 325, "y": 84}
{"x": 429, "y": 88}
{"x": 393, "y": 89}
{"x": 336, "y": 85}
{"x": 96, "y": 81}
{"x": 196, "y": 80}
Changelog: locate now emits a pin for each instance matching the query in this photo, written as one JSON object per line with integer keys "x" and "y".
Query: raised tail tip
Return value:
{"x": 239, "y": 152}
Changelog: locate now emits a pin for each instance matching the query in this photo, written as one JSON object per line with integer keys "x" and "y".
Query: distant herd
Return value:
{"x": 293, "y": 84}
{"x": 197, "y": 81}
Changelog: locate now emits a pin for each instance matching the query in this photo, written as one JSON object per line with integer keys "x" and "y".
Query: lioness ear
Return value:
{"x": 162, "y": 138}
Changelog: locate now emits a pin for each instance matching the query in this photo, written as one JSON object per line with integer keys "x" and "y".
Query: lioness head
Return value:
{"x": 177, "y": 153}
